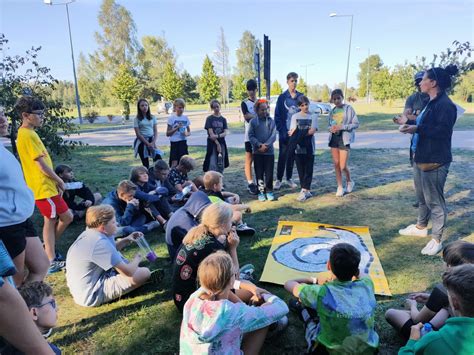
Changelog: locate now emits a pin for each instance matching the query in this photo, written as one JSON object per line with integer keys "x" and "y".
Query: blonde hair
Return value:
{"x": 179, "y": 102}
{"x": 212, "y": 178}
{"x": 125, "y": 187}
{"x": 135, "y": 173}
{"x": 187, "y": 162}
{"x": 213, "y": 217}
{"x": 215, "y": 272}
{"x": 97, "y": 216}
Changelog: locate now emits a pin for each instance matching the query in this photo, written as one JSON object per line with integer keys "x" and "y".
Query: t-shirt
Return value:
{"x": 184, "y": 122}
{"x": 217, "y": 124}
{"x": 186, "y": 265}
{"x": 175, "y": 177}
{"x": 145, "y": 126}
{"x": 417, "y": 102}
{"x": 88, "y": 264}
{"x": 346, "y": 311}
{"x": 30, "y": 147}
{"x": 337, "y": 116}
{"x": 303, "y": 122}
{"x": 247, "y": 106}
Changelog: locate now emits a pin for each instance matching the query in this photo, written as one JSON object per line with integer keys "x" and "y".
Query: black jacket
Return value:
{"x": 435, "y": 131}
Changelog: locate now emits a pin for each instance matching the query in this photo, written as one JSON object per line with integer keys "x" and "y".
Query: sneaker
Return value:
{"x": 56, "y": 266}
{"x": 262, "y": 197}
{"x": 152, "y": 225}
{"x": 340, "y": 191}
{"x": 156, "y": 276}
{"x": 413, "y": 231}
{"x": 244, "y": 229}
{"x": 277, "y": 327}
{"x": 291, "y": 184}
{"x": 301, "y": 196}
{"x": 277, "y": 185}
{"x": 252, "y": 188}
{"x": 59, "y": 257}
{"x": 270, "y": 196}
{"x": 246, "y": 272}
{"x": 350, "y": 186}
{"x": 220, "y": 161}
{"x": 432, "y": 248}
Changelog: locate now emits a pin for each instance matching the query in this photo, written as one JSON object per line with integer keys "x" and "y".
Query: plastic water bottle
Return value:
{"x": 186, "y": 190}
{"x": 145, "y": 248}
{"x": 427, "y": 327}
{"x": 74, "y": 185}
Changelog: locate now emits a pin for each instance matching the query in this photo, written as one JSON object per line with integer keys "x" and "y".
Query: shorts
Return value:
{"x": 406, "y": 329}
{"x": 14, "y": 237}
{"x": 52, "y": 207}
{"x": 248, "y": 147}
{"x": 177, "y": 150}
{"x": 438, "y": 299}
{"x": 337, "y": 142}
{"x": 115, "y": 285}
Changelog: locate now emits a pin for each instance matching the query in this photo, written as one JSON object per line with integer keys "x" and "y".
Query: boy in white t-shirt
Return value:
{"x": 178, "y": 130}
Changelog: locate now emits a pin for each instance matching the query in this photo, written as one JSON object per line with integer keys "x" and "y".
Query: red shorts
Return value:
{"x": 52, "y": 207}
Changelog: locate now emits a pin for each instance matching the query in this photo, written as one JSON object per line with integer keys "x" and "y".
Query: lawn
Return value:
{"x": 147, "y": 322}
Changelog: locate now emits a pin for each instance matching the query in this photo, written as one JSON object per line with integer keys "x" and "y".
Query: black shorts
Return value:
{"x": 248, "y": 147}
{"x": 14, "y": 237}
{"x": 177, "y": 150}
{"x": 406, "y": 329}
{"x": 337, "y": 142}
{"x": 438, "y": 299}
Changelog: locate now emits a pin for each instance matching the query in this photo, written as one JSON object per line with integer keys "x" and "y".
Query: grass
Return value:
{"x": 147, "y": 322}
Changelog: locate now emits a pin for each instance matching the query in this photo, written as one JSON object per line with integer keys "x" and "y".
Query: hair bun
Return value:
{"x": 452, "y": 69}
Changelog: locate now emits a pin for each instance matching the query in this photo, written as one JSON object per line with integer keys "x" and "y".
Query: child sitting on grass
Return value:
{"x": 178, "y": 176}
{"x": 457, "y": 335}
{"x": 215, "y": 321}
{"x": 213, "y": 183}
{"x": 96, "y": 271}
{"x": 76, "y": 188}
{"x": 39, "y": 299}
{"x": 345, "y": 306}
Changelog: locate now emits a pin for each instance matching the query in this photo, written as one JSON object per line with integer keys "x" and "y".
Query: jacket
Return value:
{"x": 282, "y": 117}
{"x": 349, "y": 124}
{"x": 84, "y": 192}
{"x": 124, "y": 212}
{"x": 262, "y": 131}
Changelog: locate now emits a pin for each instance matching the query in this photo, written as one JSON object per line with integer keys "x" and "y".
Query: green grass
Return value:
{"x": 147, "y": 322}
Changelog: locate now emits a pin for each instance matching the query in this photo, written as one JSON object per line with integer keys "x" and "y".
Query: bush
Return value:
{"x": 91, "y": 116}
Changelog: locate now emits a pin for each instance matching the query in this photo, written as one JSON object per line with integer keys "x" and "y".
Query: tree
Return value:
{"x": 465, "y": 89}
{"x": 239, "y": 87}
{"x": 171, "y": 84}
{"x": 375, "y": 63}
{"x": 402, "y": 81}
{"x": 221, "y": 61}
{"x": 91, "y": 83}
{"x": 125, "y": 88}
{"x": 189, "y": 87}
{"x": 382, "y": 87}
{"x": 302, "y": 86}
{"x": 23, "y": 75}
{"x": 245, "y": 59}
{"x": 117, "y": 42}
{"x": 209, "y": 83}
{"x": 276, "y": 88}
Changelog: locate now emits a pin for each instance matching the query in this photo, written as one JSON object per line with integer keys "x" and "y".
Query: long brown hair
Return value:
{"x": 215, "y": 273}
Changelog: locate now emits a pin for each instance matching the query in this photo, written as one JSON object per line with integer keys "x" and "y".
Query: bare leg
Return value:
{"x": 49, "y": 237}
{"x": 97, "y": 198}
{"x": 19, "y": 262}
{"x": 248, "y": 166}
{"x": 337, "y": 167}
{"x": 343, "y": 160}
{"x": 253, "y": 341}
{"x": 36, "y": 260}
{"x": 397, "y": 318}
{"x": 244, "y": 295}
{"x": 237, "y": 217}
{"x": 440, "y": 318}
{"x": 65, "y": 219}
{"x": 423, "y": 316}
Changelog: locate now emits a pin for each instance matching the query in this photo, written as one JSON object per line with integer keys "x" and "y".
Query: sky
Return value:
{"x": 302, "y": 34}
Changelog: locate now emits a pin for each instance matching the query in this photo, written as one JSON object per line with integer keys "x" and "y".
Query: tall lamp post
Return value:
{"x": 305, "y": 66}
{"x": 78, "y": 101}
{"x": 333, "y": 14}
{"x": 368, "y": 73}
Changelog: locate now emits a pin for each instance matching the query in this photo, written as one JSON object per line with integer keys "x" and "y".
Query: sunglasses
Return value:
{"x": 52, "y": 303}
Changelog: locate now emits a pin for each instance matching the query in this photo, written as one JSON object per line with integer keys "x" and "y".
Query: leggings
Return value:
{"x": 263, "y": 165}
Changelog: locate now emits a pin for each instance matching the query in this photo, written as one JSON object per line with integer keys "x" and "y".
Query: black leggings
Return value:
{"x": 284, "y": 162}
{"x": 264, "y": 165}
{"x": 304, "y": 165}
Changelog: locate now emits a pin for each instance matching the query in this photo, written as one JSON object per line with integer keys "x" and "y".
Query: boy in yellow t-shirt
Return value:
{"x": 40, "y": 177}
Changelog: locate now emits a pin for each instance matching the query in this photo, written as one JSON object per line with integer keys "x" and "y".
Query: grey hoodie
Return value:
{"x": 262, "y": 130}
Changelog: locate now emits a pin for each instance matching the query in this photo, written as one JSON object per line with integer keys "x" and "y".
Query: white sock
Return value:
{"x": 249, "y": 182}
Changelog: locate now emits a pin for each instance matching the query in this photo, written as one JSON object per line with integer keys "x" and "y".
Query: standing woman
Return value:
{"x": 145, "y": 127}
{"x": 431, "y": 147}
{"x": 342, "y": 125}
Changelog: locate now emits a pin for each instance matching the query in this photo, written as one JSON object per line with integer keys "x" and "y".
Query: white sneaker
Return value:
{"x": 340, "y": 191}
{"x": 301, "y": 196}
{"x": 350, "y": 186}
{"x": 432, "y": 248}
{"x": 277, "y": 185}
{"x": 413, "y": 231}
{"x": 291, "y": 184}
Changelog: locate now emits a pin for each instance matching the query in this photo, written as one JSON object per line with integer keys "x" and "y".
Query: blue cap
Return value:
{"x": 419, "y": 75}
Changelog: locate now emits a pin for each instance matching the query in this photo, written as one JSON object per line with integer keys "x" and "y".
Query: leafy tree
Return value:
{"x": 172, "y": 84}
{"x": 209, "y": 83}
{"x": 125, "y": 88}
{"x": 382, "y": 87}
{"x": 64, "y": 91}
{"x": 117, "y": 42}
{"x": 221, "y": 61}
{"x": 276, "y": 88}
{"x": 23, "y": 75}
{"x": 375, "y": 63}
{"x": 189, "y": 87}
{"x": 91, "y": 83}
{"x": 465, "y": 89}
{"x": 302, "y": 86}
{"x": 245, "y": 58}
{"x": 402, "y": 81}
{"x": 325, "y": 93}
{"x": 239, "y": 87}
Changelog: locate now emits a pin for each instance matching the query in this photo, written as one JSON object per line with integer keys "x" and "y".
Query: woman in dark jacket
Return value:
{"x": 431, "y": 147}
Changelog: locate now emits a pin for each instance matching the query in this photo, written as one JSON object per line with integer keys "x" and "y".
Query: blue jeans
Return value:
{"x": 429, "y": 188}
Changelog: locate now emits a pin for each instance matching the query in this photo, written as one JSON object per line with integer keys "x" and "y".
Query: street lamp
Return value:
{"x": 368, "y": 72}
{"x": 333, "y": 14}
{"x": 305, "y": 66}
{"x": 78, "y": 101}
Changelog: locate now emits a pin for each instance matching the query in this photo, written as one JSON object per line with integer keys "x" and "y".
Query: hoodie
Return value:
{"x": 217, "y": 327}
{"x": 262, "y": 130}
{"x": 185, "y": 218}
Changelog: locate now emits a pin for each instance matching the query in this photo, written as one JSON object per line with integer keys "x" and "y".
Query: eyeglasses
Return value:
{"x": 52, "y": 303}
{"x": 40, "y": 113}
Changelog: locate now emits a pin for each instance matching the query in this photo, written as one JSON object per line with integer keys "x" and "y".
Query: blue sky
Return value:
{"x": 301, "y": 31}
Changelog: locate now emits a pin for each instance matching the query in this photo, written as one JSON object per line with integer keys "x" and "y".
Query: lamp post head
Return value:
{"x": 48, "y": 2}
{"x": 332, "y": 14}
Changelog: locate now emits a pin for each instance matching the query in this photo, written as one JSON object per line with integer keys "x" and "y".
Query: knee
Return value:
{"x": 97, "y": 198}
{"x": 237, "y": 216}
{"x": 66, "y": 217}
{"x": 141, "y": 276}
{"x": 336, "y": 164}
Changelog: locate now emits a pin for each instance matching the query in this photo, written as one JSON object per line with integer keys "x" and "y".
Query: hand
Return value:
{"x": 409, "y": 303}
{"x": 408, "y": 128}
{"x": 61, "y": 186}
{"x": 261, "y": 149}
{"x": 290, "y": 132}
{"x": 134, "y": 236}
{"x": 87, "y": 203}
{"x": 420, "y": 297}
{"x": 137, "y": 258}
{"x": 265, "y": 147}
{"x": 134, "y": 202}
{"x": 400, "y": 119}
{"x": 233, "y": 239}
{"x": 415, "y": 333}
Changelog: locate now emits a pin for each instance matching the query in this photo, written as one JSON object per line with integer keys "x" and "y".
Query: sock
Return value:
{"x": 249, "y": 182}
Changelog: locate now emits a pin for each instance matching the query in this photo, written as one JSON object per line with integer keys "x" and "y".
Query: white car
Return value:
{"x": 321, "y": 108}
{"x": 164, "y": 107}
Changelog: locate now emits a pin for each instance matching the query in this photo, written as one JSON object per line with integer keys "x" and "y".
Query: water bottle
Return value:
{"x": 74, "y": 185}
{"x": 427, "y": 327}
{"x": 186, "y": 190}
{"x": 145, "y": 248}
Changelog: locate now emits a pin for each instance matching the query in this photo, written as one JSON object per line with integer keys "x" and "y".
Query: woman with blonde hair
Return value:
{"x": 213, "y": 322}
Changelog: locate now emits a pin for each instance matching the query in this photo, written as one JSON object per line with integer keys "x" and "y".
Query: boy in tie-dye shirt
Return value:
{"x": 345, "y": 306}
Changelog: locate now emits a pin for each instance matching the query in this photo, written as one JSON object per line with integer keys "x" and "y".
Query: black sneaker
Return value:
{"x": 59, "y": 257}
{"x": 244, "y": 230}
{"x": 252, "y": 188}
